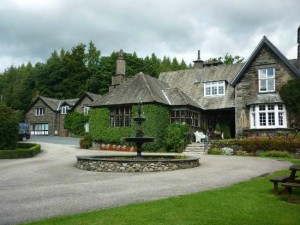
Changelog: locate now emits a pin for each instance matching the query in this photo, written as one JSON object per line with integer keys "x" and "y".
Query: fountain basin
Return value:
{"x": 131, "y": 163}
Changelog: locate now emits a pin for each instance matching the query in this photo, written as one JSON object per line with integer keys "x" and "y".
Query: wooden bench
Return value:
{"x": 277, "y": 180}
{"x": 289, "y": 186}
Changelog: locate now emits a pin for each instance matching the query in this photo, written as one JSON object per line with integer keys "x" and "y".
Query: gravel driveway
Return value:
{"x": 49, "y": 185}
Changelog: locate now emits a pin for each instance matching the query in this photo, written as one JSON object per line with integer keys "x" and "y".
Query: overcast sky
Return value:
{"x": 30, "y": 30}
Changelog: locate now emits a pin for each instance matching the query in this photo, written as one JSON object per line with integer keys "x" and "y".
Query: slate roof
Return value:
{"x": 141, "y": 87}
{"x": 177, "y": 97}
{"x": 191, "y": 82}
{"x": 51, "y": 102}
{"x": 69, "y": 102}
{"x": 93, "y": 96}
{"x": 265, "y": 41}
{"x": 147, "y": 89}
{"x": 266, "y": 98}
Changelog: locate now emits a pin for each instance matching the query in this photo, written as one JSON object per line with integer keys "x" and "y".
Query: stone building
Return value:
{"x": 233, "y": 100}
{"x": 45, "y": 116}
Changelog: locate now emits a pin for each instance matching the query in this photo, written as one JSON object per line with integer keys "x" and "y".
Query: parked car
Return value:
{"x": 24, "y": 133}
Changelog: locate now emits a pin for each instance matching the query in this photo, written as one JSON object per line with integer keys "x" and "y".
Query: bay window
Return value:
{"x": 267, "y": 116}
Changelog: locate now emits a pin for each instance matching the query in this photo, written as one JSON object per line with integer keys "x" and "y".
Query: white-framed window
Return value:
{"x": 268, "y": 116}
{"x": 40, "y": 111}
{"x": 64, "y": 109}
{"x": 86, "y": 110}
{"x": 214, "y": 88}
{"x": 266, "y": 80}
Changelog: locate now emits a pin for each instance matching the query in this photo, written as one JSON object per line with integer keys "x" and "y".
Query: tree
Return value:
{"x": 228, "y": 59}
{"x": 8, "y": 128}
{"x": 290, "y": 94}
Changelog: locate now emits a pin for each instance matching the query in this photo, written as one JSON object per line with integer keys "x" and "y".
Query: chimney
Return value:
{"x": 119, "y": 76}
{"x": 198, "y": 63}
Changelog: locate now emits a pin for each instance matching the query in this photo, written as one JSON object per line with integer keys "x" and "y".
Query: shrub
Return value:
{"x": 8, "y": 128}
{"x": 255, "y": 144}
{"x": 175, "y": 139}
{"x": 241, "y": 153}
{"x": 86, "y": 142}
{"x": 24, "y": 150}
{"x": 227, "y": 151}
{"x": 74, "y": 122}
{"x": 275, "y": 154}
{"x": 215, "y": 151}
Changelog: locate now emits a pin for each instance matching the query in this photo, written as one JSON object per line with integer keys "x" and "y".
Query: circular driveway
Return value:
{"x": 49, "y": 184}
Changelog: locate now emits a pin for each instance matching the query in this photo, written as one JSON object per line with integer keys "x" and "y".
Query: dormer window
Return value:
{"x": 214, "y": 88}
{"x": 266, "y": 80}
{"x": 64, "y": 109}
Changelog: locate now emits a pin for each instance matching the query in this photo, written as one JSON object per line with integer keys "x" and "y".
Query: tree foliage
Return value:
{"x": 227, "y": 59}
{"x": 290, "y": 94}
{"x": 9, "y": 127}
{"x": 70, "y": 73}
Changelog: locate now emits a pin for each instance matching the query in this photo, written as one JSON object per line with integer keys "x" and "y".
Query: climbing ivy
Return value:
{"x": 102, "y": 132}
{"x": 157, "y": 121}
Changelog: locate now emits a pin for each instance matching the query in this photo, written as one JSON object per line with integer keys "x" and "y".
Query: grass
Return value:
{"x": 250, "y": 202}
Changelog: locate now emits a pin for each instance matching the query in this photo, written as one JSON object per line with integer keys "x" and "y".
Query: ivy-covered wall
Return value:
{"x": 157, "y": 121}
{"x": 101, "y": 131}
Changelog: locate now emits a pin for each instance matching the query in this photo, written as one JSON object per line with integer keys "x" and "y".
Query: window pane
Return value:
{"x": 280, "y": 107}
{"x": 262, "y": 74}
{"x": 270, "y": 72}
{"x": 262, "y": 119}
{"x": 263, "y": 85}
{"x": 271, "y": 84}
{"x": 280, "y": 119}
{"x": 207, "y": 91}
{"x": 253, "y": 119}
{"x": 262, "y": 107}
{"x": 271, "y": 119}
{"x": 214, "y": 90}
{"x": 270, "y": 107}
{"x": 221, "y": 90}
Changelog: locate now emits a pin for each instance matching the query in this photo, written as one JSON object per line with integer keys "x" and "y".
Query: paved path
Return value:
{"x": 49, "y": 184}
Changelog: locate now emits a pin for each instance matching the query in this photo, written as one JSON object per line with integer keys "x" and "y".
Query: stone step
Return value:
{"x": 197, "y": 148}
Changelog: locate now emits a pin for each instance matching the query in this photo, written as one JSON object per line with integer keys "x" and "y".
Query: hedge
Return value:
{"x": 24, "y": 150}
{"x": 157, "y": 121}
{"x": 254, "y": 144}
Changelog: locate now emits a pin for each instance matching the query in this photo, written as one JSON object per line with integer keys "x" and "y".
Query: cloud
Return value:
{"x": 32, "y": 29}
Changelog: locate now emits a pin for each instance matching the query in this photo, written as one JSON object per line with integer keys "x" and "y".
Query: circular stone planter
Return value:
{"x": 127, "y": 164}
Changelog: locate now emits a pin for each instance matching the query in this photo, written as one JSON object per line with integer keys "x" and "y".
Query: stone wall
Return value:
{"x": 50, "y": 117}
{"x": 247, "y": 87}
{"x": 99, "y": 165}
{"x": 84, "y": 102}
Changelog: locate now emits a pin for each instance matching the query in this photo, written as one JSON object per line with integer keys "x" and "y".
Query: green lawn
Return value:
{"x": 250, "y": 202}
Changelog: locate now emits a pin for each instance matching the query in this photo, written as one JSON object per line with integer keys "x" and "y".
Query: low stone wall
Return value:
{"x": 121, "y": 164}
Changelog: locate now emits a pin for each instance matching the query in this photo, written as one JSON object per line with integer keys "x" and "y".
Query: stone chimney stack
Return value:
{"x": 198, "y": 63}
{"x": 119, "y": 76}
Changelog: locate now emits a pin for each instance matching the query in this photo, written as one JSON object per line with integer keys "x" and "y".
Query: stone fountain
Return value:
{"x": 139, "y": 138}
